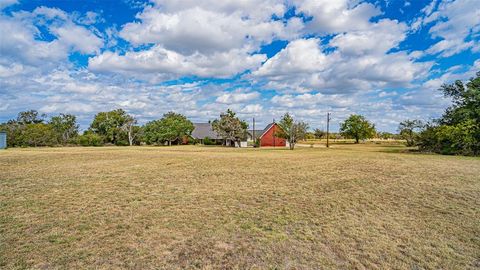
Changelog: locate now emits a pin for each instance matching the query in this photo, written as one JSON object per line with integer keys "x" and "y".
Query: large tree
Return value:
{"x": 30, "y": 117}
{"x": 319, "y": 133}
{"x": 65, "y": 126}
{"x": 29, "y": 129}
{"x": 230, "y": 127}
{"x": 110, "y": 125}
{"x": 173, "y": 127}
{"x": 358, "y": 128}
{"x": 133, "y": 131}
{"x": 409, "y": 130}
{"x": 458, "y": 131}
{"x": 291, "y": 130}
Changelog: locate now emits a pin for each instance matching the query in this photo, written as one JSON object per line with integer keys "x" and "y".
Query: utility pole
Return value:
{"x": 253, "y": 131}
{"x": 328, "y": 126}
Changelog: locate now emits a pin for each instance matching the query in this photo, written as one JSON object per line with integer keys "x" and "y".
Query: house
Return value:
{"x": 204, "y": 130}
{"x": 268, "y": 136}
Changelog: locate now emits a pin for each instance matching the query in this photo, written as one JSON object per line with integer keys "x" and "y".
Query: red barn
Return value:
{"x": 269, "y": 138}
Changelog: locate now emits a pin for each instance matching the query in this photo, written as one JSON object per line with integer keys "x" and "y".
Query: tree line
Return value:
{"x": 117, "y": 127}
{"x": 456, "y": 132}
{"x": 114, "y": 127}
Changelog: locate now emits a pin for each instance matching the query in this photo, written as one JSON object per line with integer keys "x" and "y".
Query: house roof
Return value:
{"x": 202, "y": 130}
{"x": 258, "y": 132}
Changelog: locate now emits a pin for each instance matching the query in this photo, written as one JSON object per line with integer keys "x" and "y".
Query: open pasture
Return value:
{"x": 188, "y": 207}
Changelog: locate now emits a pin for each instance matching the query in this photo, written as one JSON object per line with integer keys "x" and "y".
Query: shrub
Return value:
{"x": 208, "y": 141}
{"x": 122, "y": 143}
{"x": 90, "y": 139}
{"x": 451, "y": 139}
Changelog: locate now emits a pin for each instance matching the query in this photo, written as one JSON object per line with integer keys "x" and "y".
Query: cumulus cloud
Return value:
{"x": 359, "y": 58}
{"x": 336, "y": 16}
{"x": 6, "y": 3}
{"x": 237, "y": 97}
{"x": 303, "y": 66}
{"x": 198, "y": 38}
{"x": 158, "y": 63}
{"x": 454, "y": 22}
{"x": 199, "y": 30}
{"x": 22, "y": 43}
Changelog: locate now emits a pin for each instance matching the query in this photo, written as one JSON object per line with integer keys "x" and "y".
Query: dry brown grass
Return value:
{"x": 348, "y": 207}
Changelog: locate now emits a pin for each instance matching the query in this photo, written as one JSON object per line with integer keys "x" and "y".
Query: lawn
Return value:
{"x": 185, "y": 207}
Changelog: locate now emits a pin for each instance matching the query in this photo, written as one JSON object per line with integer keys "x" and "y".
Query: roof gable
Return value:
{"x": 203, "y": 130}
{"x": 266, "y": 129}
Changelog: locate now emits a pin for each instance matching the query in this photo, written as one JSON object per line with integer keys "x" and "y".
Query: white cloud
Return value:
{"x": 209, "y": 26}
{"x": 336, "y": 16}
{"x": 22, "y": 43}
{"x": 302, "y": 66}
{"x": 160, "y": 63}
{"x": 6, "y": 3}
{"x": 453, "y": 22}
{"x": 252, "y": 109}
{"x": 200, "y": 38}
{"x": 379, "y": 38}
{"x": 79, "y": 38}
{"x": 237, "y": 97}
{"x": 312, "y": 100}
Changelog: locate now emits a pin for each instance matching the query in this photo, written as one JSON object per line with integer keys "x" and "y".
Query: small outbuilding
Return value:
{"x": 3, "y": 140}
{"x": 268, "y": 136}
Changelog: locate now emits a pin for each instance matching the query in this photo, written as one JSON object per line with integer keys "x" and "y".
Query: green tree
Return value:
{"x": 38, "y": 134}
{"x": 458, "y": 131}
{"x": 30, "y": 117}
{"x": 129, "y": 127}
{"x": 465, "y": 99}
{"x": 385, "y": 135}
{"x": 230, "y": 127}
{"x": 173, "y": 127}
{"x": 111, "y": 126}
{"x": 14, "y": 132}
{"x": 409, "y": 130}
{"x": 65, "y": 126}
{"x": 319, "y": 133}
{"x": 29, "y": 130}
{"x": 357, "y": 127}
{"x": 291, "y": 130}
{"x": 90, "y": 139}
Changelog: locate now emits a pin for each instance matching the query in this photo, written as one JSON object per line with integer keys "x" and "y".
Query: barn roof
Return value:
{"x": 269, "y": 126}
{"x": 202, "y": 130}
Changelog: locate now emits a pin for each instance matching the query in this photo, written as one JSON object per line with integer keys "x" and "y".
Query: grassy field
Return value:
{"x": 186, "y": 207}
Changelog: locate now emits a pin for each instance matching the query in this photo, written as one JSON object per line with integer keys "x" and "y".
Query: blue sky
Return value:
{"x": 382, "y": 59}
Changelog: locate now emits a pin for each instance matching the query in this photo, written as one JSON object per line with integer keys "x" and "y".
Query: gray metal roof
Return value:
{"x": 203, "y": 130}
{"x": 258, "y": 132}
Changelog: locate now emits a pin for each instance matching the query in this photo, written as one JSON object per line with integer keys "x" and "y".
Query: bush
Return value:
{"x": 122, "y": 143}
{"x": 90, "y": 139}
{"x": 310, "y": 136}
{"x": 208, "y": 141}
{"x": 457, "y": 139}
